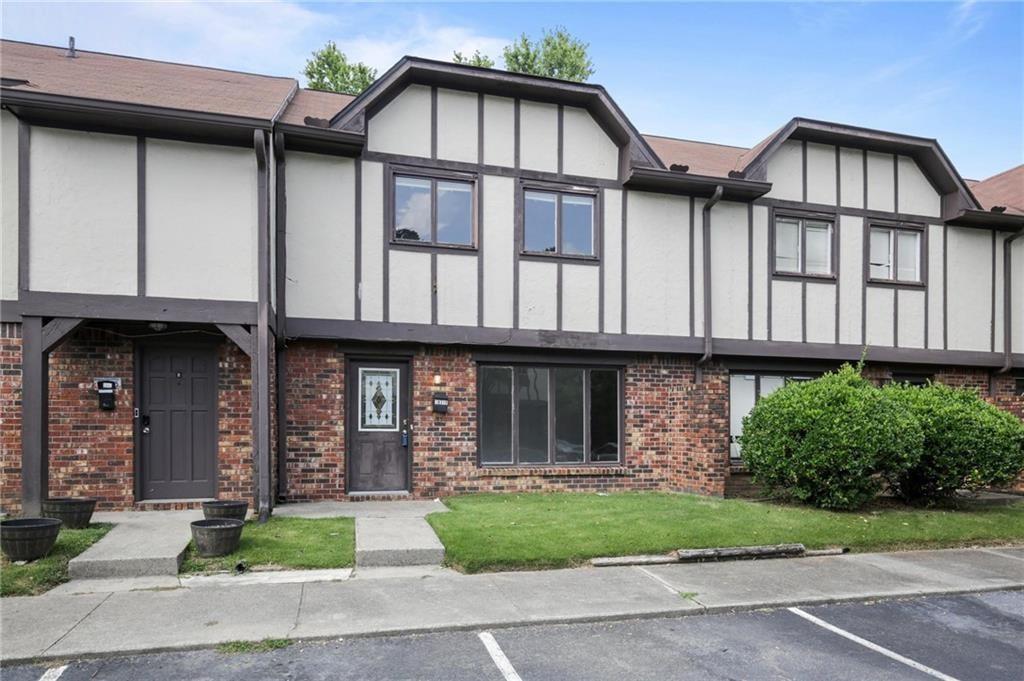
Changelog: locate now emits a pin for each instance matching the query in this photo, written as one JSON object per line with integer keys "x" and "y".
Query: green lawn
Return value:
{"x": 44, "y": 574}
{"x": 297, "y": 543}
{"x": 526, "y": 531}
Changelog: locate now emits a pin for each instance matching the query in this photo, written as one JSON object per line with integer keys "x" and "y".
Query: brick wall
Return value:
{"x": 235, "y": 466}
{"x": 10, "y": 418}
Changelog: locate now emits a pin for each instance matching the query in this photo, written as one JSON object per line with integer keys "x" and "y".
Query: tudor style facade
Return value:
{"x": 461, "y": 280}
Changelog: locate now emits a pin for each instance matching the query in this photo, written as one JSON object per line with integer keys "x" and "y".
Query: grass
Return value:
{"x": 42, "y": 575}
{"x": 532, "y": 531}
{"x": 296, "y": 543}
{"x": 242, "y": 647}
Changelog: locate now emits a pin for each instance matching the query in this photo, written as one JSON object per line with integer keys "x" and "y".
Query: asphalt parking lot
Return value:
{"x": 978, "y": 636}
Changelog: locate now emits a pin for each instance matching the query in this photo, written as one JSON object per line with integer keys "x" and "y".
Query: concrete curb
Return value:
{"x": 512, "y": 624}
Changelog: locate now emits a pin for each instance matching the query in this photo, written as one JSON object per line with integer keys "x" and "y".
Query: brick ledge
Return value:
{"x": 551, "y": 471}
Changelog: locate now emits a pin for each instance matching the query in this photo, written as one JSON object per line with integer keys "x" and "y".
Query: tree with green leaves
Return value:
{"x": 556, "y": 55}
{"x": 475, "y": 59}
{"x": 330, "y": 69}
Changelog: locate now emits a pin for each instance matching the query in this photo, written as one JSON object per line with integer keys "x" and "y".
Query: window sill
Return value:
{"x": 560, "y": 257}
{"x": 400, "y": 245}
{"x": 551, "y": 471}
{"x": 886, "y": 283}
{"x": 796, "y": 276}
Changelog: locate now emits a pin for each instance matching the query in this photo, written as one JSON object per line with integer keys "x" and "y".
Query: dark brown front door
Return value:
{"x": 178, "y": 421}
{"x": 379, "y": 436}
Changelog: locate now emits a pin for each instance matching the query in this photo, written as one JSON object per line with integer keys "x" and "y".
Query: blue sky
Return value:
{"x": 725, "y": 72}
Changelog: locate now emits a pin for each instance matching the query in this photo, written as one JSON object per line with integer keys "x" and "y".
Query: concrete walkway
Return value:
{"x": 141, "y": 544}
{"x": 58, "y": 626}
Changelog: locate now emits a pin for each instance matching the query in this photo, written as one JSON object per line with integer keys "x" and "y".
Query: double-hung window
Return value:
{"x": 433, "y": 210}
{"x": 895, "y": 254}
{"x": 559, "y": 222}
{"x": 803, "y": 246}
{"x": 539, "y": 415}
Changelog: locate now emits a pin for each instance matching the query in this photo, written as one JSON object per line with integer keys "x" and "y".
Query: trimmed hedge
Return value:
{"x": 832, "y": 442}
{"x": 968, "y": 443}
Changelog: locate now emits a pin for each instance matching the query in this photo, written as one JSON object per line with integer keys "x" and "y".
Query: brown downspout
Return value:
{"x": 1007, "y": 307}
{"x": 280, "y": 354}
{"x": 261, "y": 334}
{"x": 706, "y": 258}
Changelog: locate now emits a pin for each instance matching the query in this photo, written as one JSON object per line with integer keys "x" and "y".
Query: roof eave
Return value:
{"x": 984, "y": 219}
{"x": 322, "y": 140}
{"x": 674, "y": 182}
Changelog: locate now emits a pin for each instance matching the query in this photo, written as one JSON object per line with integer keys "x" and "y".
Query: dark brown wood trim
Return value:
{"x": 140, "y": 172}
{"x": 131, "y": 307}
{"x": 750, "y": 271}
{"x": 35, "y": 457}
{"x": 625, "y": 260}
{"x": 560, "y": 148}
{"x": 24, "y": 173}
{"x": 57, "y": 330}
{"x": 693, "y": 297}
{"x": 260, "y": 358}
{"x": 358, "y": 260}
{"x": 433, "y": 122}
{"x": 516, "y": 126}
{"x": 240, "y": 336}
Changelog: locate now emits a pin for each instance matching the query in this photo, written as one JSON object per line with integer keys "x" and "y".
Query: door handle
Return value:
{"x": 145, "y": 424}
{"x": 405, "y": 437}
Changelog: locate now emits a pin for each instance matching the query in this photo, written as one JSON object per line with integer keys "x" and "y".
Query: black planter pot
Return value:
{"x": 74, "y": 512}
{"x": 216, "y": 536}
{"x": 227, "y": 508}
{"x": 28, "y": 538}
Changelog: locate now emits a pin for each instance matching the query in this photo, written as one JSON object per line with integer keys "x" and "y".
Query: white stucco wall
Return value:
{"x": 371, "y": 263}
{"x": 916, "y": 193}
{"x": 8, "y": 206}
{"x": 911, "y": 318}
{"x": 538, "y": 136}
{"x": 612, "y": 242}
{"x": 320, "y": 281}
{"x": 657, "y": 264}
{"x": 821, "y": 312}
{"x": 935, "y": 287}
{"x": 409, "y": 287}
{"x": 696, "y": 259}
{"x": 538, "y": 295}
{"x": 787, "y": 310}
{"x": 457, "y": 119}
{"x": 83, "y": 212}
{"x": 759, "y": 268}
{"x": 851, "y": 276}
{"x": 881, "y": 182}
{"x": 729, "y": 272}
{"x": 969, "y": 297}
{"x": 498, "y": 230}
{"x": 580, "y": 294}
{"x": 587, "y": 150}
{"x": 499, "y": 131}
{"x": 1017, "y": 294}
{"x": 851, "y": 177}
{"x": 879, "y": 322}
{"x": 201, "y": 221}
{"x": 821, "y": 173}
{"x": 403, "y": 125}
{"x": 457, "y": 289}
{"x": 786, "y": 171}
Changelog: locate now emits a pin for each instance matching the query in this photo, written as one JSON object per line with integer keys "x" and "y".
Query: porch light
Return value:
{"x": 158, "y": 326}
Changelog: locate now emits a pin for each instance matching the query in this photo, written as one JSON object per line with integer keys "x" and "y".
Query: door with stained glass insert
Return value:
{"x": 379, "y": 427}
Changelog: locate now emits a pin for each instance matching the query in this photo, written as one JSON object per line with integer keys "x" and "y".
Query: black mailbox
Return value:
{"x": 107, "y": 389}
{"x": 440, "y": 403}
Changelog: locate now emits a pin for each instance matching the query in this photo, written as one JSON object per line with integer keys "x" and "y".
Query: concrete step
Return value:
{"x": 389, "y": 542}
{"x": 141, "y": 544}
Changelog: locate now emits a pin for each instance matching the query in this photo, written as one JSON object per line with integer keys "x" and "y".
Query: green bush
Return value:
{"x": 968, "y": 443}
{"x": 832, "y": 442}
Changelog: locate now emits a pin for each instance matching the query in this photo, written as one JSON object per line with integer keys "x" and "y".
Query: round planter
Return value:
{"x": 227, "y": 508}
{"x": 216, "y": 536}
{"x": 28, "y": 538}
{"x": 74, "y": 512}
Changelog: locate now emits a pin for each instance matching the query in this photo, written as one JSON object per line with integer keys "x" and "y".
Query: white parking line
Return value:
{"x": 658, "y": 579}
{"x": 872, "y": 646}
{"x": 53, "y": 673}
{"x": 504, "y": 666}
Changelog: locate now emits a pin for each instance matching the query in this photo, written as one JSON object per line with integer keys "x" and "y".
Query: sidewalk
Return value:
{"x": 59, "y": 626}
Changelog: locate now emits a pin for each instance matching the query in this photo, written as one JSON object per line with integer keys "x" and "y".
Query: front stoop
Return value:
{"x": 141, "y": 544}
{"x": 391, "y": 542}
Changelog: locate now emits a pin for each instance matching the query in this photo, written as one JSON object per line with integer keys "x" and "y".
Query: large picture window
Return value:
{"x": 433, "y": 210}
{"x": 804, "y": 246}
{"x": 895, "y": 254}
{"x": 533, "y": 415}
{"x": 745, "y": 389}
{"x": 558, "y": 222}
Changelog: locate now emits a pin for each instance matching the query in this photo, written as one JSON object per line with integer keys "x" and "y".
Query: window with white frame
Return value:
{"x": 745, "y": 389}
{"x": 895, "y": 254}
{"x": 538, "y": 415}
{"x": 804, "y": 246}
{"x": 558, "y": 222}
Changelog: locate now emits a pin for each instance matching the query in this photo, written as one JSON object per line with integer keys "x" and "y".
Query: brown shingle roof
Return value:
{"x": 314, "y": 103}
{"x": 703, "y": 158}
{"x": 95, "y": 75}
{"x": 1005, "y": 189}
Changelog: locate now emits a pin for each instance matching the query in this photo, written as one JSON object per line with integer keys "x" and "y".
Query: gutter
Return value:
{"x": 1007, "y": 303}
{"x": 706, "y": 256}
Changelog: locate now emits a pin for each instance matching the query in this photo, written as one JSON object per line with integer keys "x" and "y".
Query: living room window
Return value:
{"x": 433, "y": 210}
{"x": 557, "y": 415}
{"x": 745, "y": 389}
{"x": 804, "y": 246}
{"x": 559, "y": 222}
{"x": 895, "y": 254}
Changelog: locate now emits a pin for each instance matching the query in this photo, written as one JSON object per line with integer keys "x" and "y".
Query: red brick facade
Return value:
{"x": 675, "y": 428}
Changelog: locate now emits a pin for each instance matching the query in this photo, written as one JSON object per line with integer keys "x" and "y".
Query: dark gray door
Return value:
{"x": 178, "y": 421}
{"x": 379, "y": 437}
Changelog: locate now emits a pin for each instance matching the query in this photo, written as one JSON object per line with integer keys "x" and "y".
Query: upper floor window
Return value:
{"x": 803, "y": 246}
{"x": 558, "y": 222}
{"x": 433, "y": 210}
{"x": 895, "y": 254}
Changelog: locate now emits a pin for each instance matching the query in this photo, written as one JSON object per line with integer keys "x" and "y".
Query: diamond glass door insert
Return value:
{"x": 378, "y": 399}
